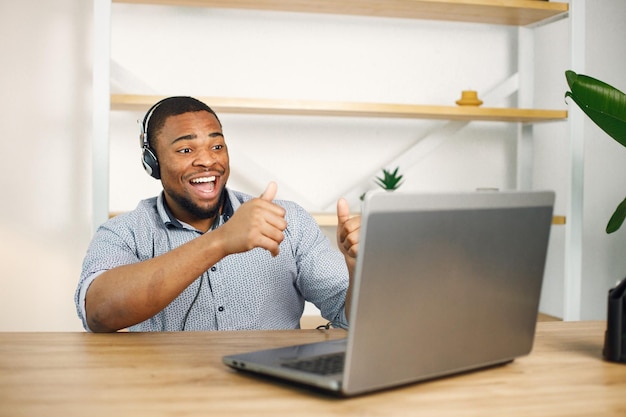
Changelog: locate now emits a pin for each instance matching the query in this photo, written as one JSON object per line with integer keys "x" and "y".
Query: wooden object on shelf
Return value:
{"x": 510, "y": 12}
{"x": 350, "y": 109}
{"x": 469, "y": 98}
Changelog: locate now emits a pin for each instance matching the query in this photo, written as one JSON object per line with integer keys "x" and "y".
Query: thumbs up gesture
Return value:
{"x": 258, "y": 223}
{"x": 348, "y": 229}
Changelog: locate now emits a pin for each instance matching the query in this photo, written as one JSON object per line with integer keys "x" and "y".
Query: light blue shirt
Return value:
{"x": 250, "y": 290}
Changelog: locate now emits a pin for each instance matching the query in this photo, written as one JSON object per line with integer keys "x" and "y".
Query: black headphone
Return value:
{"x": 148, "y": 157}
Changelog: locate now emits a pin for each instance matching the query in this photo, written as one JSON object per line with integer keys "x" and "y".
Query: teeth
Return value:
{"x": 203, "y": 179}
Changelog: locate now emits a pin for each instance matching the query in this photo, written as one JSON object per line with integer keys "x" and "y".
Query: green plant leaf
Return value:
{"x": 604, "y": 104}
{"x": 606, "y": 107}
{"x": 616, "y": 220}
{"x": 390, "y": 180}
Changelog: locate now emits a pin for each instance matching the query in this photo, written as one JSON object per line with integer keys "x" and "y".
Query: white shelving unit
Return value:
{"x": 524, "y": 14}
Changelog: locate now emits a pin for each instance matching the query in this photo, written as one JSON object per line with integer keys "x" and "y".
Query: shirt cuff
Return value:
{"x": 342, "y": 320}
{"x": 83, "y": 294}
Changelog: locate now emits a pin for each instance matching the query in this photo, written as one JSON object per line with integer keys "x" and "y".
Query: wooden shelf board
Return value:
{"x": 330, "y": 219}
{"x": 351, "y": 109}
{"x": 502, "y": 12}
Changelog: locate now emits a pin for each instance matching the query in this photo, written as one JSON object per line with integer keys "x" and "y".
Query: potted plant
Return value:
{"x": 389, "y": 181}
{"x": 606, "y": 107}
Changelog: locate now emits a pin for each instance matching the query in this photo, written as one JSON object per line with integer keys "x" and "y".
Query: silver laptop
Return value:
{"x": 445, "y": 283}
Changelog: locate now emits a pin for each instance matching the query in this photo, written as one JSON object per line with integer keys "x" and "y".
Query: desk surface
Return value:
{"x": 126, "y": 374}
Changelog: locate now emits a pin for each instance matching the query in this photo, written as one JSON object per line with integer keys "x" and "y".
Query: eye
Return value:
{"x": 218, "y": 147}
{"x": 184, "y": 150}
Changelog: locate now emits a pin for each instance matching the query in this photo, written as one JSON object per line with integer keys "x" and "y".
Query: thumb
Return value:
{"x": 270, "y": 191}
{"x": 343, "y": 211}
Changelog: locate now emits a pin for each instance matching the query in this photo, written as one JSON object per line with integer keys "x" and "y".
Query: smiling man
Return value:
{"x": 201, "y": 256}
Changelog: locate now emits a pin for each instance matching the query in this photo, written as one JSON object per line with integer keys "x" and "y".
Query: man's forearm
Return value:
{"x": 130, "y": 294}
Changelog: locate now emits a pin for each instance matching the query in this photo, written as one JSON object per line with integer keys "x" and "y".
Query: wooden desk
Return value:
{"x": 119, "y": 375}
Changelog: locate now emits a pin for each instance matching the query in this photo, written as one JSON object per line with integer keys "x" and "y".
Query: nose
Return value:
{"x": 205, "y": 157}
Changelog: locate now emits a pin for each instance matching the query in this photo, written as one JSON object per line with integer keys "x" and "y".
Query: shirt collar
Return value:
{"x": 170, "y": 221}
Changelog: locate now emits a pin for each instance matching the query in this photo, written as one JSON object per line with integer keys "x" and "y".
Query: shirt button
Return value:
{"x": 213, "y": 268}
{"x": 220, "y": 308}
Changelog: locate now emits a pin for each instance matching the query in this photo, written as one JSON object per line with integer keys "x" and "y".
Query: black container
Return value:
{"x": 615, "y": 336}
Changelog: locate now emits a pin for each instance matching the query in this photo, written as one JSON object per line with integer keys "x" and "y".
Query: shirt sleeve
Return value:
{"x": 81, "y": 294}
{"x": 322, "y": 272}
{"x": 108, "y": 249}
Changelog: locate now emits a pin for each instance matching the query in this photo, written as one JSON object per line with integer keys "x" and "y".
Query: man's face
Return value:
{"x": 194, "y": 166}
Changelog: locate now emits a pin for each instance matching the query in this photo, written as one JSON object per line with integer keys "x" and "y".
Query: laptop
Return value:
{"x": 445, "y": 283}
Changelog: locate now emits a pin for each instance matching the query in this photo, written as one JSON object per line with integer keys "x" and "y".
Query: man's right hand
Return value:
{"x": 258, "y": 223}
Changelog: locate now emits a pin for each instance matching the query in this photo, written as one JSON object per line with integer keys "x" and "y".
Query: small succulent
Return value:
{"x": 390, "y": 180}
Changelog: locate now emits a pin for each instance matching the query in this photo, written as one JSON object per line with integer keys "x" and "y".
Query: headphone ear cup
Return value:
{"x": 150, "y": 163}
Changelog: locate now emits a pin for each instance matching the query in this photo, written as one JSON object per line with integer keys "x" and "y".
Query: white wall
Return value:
{"x": 45, "y": 114}
{"x": 45, "y": 220}
{"x": 604, "y": 260}
{"x": 208, "y": 52}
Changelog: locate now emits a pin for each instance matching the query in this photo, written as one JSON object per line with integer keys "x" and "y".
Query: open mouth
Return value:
{"x": 204, "y": 184}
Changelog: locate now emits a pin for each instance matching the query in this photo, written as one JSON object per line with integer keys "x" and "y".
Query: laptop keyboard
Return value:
{"x": 320, "y": 365}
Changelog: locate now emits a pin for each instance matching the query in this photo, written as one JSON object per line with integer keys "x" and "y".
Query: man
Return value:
{"x": 201, "y": 256}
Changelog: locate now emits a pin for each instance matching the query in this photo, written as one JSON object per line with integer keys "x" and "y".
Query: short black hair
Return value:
{"x": 155, "y": 118}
